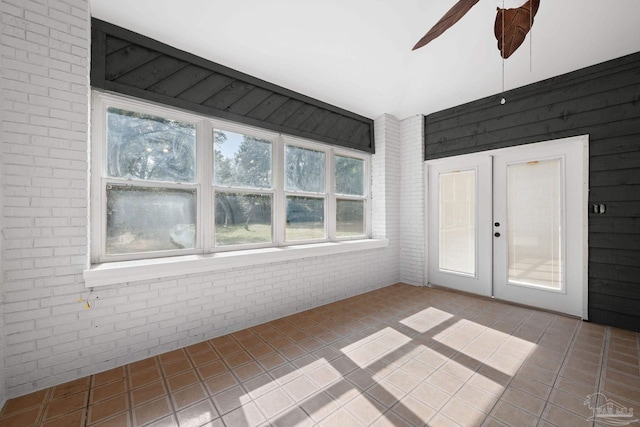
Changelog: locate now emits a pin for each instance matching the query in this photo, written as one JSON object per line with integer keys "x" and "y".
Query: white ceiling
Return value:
{"x": 356, "y": 54}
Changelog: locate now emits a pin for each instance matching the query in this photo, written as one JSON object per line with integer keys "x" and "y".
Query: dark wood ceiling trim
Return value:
{"x": 131, "y": 64}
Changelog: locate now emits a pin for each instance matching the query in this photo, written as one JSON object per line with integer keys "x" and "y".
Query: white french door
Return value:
{"x": 512, "y": 224}
{"x": 459, "y": 224}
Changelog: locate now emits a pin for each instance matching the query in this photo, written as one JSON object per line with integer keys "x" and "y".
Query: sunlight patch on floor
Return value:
{"x": 426, "y": 319}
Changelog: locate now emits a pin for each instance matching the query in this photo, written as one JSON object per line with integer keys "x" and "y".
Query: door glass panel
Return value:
{"x": 534, "y": 214}
{"x": 457, "y": 228}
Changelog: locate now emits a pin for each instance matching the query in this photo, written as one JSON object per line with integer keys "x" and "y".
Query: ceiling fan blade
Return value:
{"x": 451, "y": 17}
{"x": 515, "y": 27}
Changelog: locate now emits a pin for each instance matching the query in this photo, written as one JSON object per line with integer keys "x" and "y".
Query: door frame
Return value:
{"x": 583, "y": 221}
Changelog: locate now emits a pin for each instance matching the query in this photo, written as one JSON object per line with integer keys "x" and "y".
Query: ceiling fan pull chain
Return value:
{"x": 530, "y": 36}
{"x": 502, "y": 99}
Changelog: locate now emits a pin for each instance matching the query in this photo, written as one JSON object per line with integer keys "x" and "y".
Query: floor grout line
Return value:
{"x": 603, "y": 361}
{"x": 85, "y": 420}
{"x": 562, "y": 364}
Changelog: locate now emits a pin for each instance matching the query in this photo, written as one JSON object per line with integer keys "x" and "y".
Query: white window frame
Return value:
{"x": 248, "y": 131}
{"x": 300, "y": 143}
{"x": 204, "y": 185}
{"x": 100, "y": 180}
{"x": 365, "y": 197}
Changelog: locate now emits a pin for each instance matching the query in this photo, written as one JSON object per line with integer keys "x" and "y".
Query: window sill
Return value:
{"x": 129, "y": 271}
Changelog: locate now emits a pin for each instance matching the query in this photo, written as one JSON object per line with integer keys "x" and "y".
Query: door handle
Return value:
{"x": 496, "y": 234}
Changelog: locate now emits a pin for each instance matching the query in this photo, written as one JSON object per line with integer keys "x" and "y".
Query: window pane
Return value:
{"x": 150, "y": 219}
{"x": 349, "y": 218}
{"x": 349, "y": 176}
{"x": 305, "y": 218}
{"x": 242, "y": 218}
{"x": 534, "y": 217}
{"x": 304, "y": 169}
{"x": 458, "y": 222}
{"x": 146, "y": 147}
{"x": 241, "y": 160}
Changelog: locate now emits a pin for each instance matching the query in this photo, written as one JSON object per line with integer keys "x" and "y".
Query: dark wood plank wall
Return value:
{"x": 604, "y": 102}
{"x": 131, "y": 64}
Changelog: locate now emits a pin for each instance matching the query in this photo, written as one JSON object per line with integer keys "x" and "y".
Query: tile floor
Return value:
{"x": 398, "y": 356}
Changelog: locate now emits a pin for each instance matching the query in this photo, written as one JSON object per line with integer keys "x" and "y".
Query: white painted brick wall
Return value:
{"x": 386, "y": 163}
{"x": 44, "y": 95}
{"x": 17, "y": 328}
{"x": 3, "y": 330}
{"x": 412, "y": 234}
{"x": 48, "y": 337}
